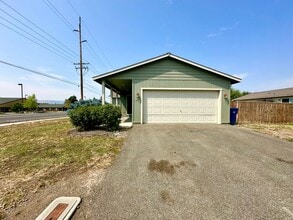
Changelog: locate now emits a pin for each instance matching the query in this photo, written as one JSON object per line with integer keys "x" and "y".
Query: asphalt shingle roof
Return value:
{"x": 7, "y": 100}
{"x": 278, "y": 93}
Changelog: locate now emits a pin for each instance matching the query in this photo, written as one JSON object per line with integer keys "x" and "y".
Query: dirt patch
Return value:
{"x": 166, "y": 197}
{"x": 80, "y": 185}
{"x": 119, "y": 134}
{"x": 285, "y": 161}
{"x": 283, "y": 131}
{"x": 164, "y": 166}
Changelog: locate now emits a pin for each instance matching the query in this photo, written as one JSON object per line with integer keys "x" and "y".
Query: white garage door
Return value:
{"x": 180, "y": 106}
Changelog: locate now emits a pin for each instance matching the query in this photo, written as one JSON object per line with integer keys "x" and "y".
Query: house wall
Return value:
{"x": 170, "y": 73}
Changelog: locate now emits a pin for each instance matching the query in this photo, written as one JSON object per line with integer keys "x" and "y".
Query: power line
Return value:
{"x": 92, "y": 36}
{"x": 36, "y": 42}
{"x": 39, "y": 28}
{"x": 105, "y": 57}
{"x": 57, "y": 49}
{"x": 39, "y": 73}
{"x": 49, "y": 76}
{"x": 59, "y": 14}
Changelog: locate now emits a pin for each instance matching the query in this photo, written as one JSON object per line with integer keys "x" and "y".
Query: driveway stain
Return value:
{"x": 285, "y": 161}
{"x": 166, "y": 197}
{"x": 164, "y": 166}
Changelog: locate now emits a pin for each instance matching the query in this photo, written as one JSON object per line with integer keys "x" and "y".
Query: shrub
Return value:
{"x": 91, "y": 117}
{"x": 89, "y": 102}
{"x": 17, "y": 107}
{"x": 111, "y": 117}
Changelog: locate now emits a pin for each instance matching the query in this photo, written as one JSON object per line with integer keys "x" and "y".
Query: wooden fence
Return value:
{"x": 264, "y": 112}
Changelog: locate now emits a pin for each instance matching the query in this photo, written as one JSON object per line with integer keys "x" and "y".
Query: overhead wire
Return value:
{"x": 38, "y": 72}
{"x": 59, "y": 14}
{"x": 57, "y": 50}
{"x": 68, "y": 24}
{"x": 95, "y": 41}
{"x": 47, "y": 48}
{"x": 36, "y": 26}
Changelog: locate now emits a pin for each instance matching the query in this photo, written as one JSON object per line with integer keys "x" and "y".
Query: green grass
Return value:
{"x": 43, "y": 151}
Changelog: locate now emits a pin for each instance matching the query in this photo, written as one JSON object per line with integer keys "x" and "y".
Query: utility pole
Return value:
{"x": 21, "y": 91}
{"x": 81, "y": 67}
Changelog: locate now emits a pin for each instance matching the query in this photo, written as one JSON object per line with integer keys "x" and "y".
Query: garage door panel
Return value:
{"x": 180, "y": 106}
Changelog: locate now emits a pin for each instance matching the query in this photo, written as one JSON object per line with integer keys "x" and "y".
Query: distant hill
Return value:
{"x": 51, "y": 101}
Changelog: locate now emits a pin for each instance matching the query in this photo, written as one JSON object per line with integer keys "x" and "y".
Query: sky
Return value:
{"x": 249, "y": 39}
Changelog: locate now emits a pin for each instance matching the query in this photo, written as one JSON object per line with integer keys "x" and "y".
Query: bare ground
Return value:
{"x": 283, "y": 131}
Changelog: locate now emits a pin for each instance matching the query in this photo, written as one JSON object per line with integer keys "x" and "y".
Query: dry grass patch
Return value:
{"x": 37, "y": 154}
{"x": 283, "y": 131}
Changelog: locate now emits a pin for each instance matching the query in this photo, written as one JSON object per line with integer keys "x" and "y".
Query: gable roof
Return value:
{"x": 232, "y": 78}
{"x": 7, "y": 100}
{"x": 278, "y": 93}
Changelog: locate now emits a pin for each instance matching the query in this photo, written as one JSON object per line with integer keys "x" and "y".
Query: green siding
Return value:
{"x": 170, "y": 73}
{"x": 121, "y": 103}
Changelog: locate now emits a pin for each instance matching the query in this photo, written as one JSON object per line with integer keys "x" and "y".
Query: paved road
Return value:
{"x": 207, "y": 172}
{"x": 14, "y": 118}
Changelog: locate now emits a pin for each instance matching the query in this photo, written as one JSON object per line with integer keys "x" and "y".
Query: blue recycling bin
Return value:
{"x": 233, "y": 115}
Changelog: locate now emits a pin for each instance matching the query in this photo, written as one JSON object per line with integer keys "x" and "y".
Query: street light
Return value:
{"x": 21, "y": 89}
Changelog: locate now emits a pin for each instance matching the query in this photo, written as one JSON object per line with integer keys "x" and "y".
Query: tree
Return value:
{"x": 235, "y": 93}
{"x": 31, "y": 102}
{"x": 70, "y": 100}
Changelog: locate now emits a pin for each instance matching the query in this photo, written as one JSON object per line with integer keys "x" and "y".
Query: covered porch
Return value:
{"x": 120, "y": 94}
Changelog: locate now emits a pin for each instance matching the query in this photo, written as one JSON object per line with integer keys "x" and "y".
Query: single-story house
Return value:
{"x": 278, "y": 96}
{"x": 8, "y": 102}
{"x": 51, "y": 107}
{"x": 170, "y": 89}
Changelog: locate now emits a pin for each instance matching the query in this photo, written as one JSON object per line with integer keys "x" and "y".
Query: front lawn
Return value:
{"x": 34, "y": 155}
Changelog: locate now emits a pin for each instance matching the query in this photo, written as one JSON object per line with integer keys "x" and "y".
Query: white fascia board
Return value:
{"x": 164, "y": 56}
{"x": 205, "y": 68}
{"x": 131, "y": 66}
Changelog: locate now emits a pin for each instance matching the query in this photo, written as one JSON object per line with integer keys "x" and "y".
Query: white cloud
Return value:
{"x": 222, "y": 30}
{"x": 213, "y": 35}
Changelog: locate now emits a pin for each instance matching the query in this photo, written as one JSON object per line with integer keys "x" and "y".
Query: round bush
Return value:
{"x": 92, "y": 117}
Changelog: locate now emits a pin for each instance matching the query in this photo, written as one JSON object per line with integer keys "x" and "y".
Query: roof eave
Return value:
{"x": 232, "y": 78}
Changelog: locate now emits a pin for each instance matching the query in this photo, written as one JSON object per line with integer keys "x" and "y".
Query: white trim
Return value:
{"x": 103, "y": 92}
{"x": 141, "y": 105}
{"x": 111, "y": 95}
{"x": 162, "y": 57}
{"x": 219, "y": 121}
{"x": 220, "y": 106}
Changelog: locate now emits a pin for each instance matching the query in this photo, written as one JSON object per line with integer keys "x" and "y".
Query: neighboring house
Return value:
{"x": 7, "y": 103}
{"x": 278, "y": 96}
{"x": 170, "y": 89}
{"x": 51, "y": 107}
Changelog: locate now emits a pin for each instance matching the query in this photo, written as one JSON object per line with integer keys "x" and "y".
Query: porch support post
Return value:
{"x": 111, "y": 95}
{"x": 103, "y": 92}
{"x": 116, "y": 95}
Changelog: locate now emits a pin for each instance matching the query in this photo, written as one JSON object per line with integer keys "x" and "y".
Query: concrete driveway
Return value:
{"x": 197, "y": 172}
